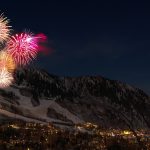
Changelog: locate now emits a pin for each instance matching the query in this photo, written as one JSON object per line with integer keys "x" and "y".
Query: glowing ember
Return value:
{"x": 126, "y": 132}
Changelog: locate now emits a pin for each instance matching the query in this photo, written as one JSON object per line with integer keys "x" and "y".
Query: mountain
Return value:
{"x": 39, "y": 96}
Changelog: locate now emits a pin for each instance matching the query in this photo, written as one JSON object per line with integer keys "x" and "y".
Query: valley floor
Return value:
{"x": 20, "y": 135}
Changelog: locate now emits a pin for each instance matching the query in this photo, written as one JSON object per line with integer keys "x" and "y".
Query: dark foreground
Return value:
{"x": 31, "y": 136}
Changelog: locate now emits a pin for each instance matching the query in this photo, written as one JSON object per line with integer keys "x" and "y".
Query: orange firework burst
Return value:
{"x": 6, "y": 78}
{"x": 4, "y": 28}
{"x": 7, "y": 62}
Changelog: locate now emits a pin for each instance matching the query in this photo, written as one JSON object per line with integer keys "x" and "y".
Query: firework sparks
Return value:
{"x": 4, "y": 28}
{"x": 6, "y": 78}
{"x": 20, "y": 50}
{"x": 23, "y": 48}
{"x": 6, "y": 61}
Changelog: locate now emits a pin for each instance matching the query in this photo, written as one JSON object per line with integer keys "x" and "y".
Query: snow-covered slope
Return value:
{"x": 39, "y": 96}
{"x": 26, "y": 108}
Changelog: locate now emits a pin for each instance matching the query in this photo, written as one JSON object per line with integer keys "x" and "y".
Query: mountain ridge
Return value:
{"x": 110, "y": 103}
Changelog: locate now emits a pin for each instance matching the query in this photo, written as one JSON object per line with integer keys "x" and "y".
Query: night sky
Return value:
{"x": 107, "y": 38}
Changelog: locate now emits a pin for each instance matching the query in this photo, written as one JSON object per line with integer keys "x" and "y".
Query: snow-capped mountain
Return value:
{"x": 38, "y": 96}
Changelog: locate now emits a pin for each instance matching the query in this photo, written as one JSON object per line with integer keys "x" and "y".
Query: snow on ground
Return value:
{"x": 40, "y": 111}
{"x": 65, "y": 112}
{"x": 12, "y": 115}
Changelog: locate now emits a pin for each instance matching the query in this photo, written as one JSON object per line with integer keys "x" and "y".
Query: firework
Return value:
{"x": 6, "y": 78}
{"x": 6, "y": 61}
{"x": 23, "y": 48}
{"x": 42, "y": 43}
{"x": 4, "y": 28}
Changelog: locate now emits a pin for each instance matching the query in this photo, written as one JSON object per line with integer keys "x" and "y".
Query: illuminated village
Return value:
{"x": 30, "y": 136}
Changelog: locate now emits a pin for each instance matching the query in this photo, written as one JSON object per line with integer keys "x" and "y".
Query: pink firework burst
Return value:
{"x": 23, "y": 48}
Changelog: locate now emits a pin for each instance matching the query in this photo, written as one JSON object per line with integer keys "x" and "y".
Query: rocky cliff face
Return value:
{"x": 43, "y": 97}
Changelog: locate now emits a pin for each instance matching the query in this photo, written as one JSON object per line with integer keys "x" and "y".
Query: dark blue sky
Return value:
{"x": 108, "y": 38}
